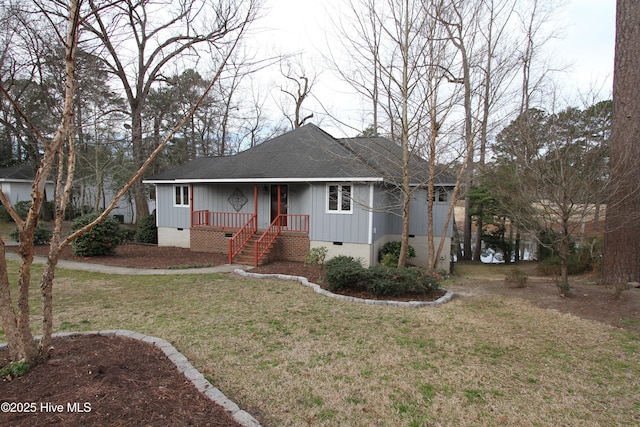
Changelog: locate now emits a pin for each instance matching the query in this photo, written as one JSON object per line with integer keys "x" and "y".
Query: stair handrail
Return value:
{"x": 242, "y": 236}
{"x": 266, "y": 239}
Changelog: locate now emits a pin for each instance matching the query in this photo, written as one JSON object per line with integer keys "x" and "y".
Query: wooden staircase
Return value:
{"x": 247, "y": 255}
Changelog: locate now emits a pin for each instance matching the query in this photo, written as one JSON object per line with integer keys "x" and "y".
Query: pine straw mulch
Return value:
{"x": 112, "y": 381}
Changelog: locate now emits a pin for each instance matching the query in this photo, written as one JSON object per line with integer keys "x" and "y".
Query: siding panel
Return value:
{"x": 334, "y": 227}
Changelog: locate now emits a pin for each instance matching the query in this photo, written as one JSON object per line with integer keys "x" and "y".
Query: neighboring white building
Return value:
{"x": 16, "y": 181}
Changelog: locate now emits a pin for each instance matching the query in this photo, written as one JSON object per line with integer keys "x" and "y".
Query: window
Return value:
{"x": 181, "y": 195}
{"x": 440, "y": 195}
{"x": 339, "y": 198}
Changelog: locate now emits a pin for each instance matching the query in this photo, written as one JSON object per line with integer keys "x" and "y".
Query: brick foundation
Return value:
{"x": 210, "y": 240}
{"x": 291, "y": 247}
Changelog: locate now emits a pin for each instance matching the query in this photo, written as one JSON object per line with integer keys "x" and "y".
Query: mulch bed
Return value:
{"x": 97, "y": 380}
{"x": 135, "y": 255}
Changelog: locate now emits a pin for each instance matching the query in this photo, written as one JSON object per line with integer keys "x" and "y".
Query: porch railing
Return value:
{"x": 295, "y": 223}
{"x": 220, "y": 219}
{"x": 242, "y": 236}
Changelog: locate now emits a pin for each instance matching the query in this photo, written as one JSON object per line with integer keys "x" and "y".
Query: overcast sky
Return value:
{"x": 585, "y": 46}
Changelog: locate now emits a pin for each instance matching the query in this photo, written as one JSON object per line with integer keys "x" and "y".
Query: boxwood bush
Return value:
{"x": 102, "y": 239}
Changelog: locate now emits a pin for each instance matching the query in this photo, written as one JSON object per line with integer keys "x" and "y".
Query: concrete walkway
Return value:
{"x": 108, "y": 269}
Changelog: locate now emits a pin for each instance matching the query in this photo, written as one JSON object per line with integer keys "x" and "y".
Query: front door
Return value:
{"x": 282, "y": 202}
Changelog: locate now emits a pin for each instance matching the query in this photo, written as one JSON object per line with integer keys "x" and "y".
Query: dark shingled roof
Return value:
{"x": 306, "y": 153}
{"x": 17, "y": 173}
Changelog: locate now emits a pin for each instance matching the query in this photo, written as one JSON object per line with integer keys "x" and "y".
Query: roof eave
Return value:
{"x": 261, "y": 180}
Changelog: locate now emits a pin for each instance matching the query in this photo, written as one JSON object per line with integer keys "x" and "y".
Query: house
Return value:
{"x": 89, "y": 197}
{"x": 300, "y": 190}
{"x": 16, "y": 181}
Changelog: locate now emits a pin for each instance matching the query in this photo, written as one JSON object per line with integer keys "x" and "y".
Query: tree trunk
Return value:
{"x": 621, "y": 258}
{"x": 139, "y": 157}
{"x": 477, "y": 250}
{"x": 7, "y": 312}
{"x": 466, "y": 230}
{"x": 406, "y": 179}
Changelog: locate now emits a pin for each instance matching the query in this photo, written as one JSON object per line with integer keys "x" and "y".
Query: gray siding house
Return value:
{"x": 16, "y": 181}
{"x": 300, "y": 190}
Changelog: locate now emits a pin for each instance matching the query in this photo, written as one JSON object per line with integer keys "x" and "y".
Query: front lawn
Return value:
{"x": 292, "y": 357}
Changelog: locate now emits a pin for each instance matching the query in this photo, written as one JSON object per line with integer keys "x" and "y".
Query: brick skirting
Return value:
{"x": 210, "y": 240}
{"x": 292, "y": 247}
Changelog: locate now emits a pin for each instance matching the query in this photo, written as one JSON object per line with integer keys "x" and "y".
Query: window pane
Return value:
{"x": 177, "y": 195}
{"x": 333, "y": 197}
{"x": 346, "y": 198}
{"x": 185, "y": 195}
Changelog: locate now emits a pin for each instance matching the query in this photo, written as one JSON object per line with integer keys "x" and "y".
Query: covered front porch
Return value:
{"x": 239, "y": 234}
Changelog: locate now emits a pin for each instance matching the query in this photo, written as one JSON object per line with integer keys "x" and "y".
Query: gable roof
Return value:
{"x": 304, "y": 154}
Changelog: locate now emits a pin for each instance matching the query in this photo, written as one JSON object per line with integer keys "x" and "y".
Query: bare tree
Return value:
{"x": 60, "y": 150}
{"x": 402, "y": 65}
{"x": 621, "y": 263}
{"x": 460, "y": 19}
{"x": 298, "y": 89}
{"x": 139, "y": 41}
{"x": 361, "y": 33}
{"x": 495, "y": 70}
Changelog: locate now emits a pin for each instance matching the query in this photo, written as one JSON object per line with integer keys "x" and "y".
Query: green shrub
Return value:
{"x": 41, "y": 236}
{"x": 22, "y": 208}
{"x": 390, "y": 260}
{"x": 102, "y": 239}
{"x": 4, "y": 215}
{"x": 393, "y": 250}
{"x": 316, "y": 256}
{"x": 393, "y": 281}
{"x": 343, "y": 272}
{"x": 127, "y": 234}
{"x": 147, "y": 231}
{"x": 14, "y": 370}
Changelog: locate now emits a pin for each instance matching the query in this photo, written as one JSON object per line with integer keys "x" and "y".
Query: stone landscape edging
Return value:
{"x": 318, "y": 289}
{"x": 184, "y": 366}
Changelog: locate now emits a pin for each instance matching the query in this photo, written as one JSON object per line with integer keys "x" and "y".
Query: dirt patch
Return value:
{"x": 97, "y": 380}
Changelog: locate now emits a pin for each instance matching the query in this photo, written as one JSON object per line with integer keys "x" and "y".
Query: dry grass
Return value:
{"x": 292, "y": 357}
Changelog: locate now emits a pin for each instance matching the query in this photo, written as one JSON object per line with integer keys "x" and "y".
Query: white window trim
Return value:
{"x": 185, "y": 203}
{"x": 339, "y": 211}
